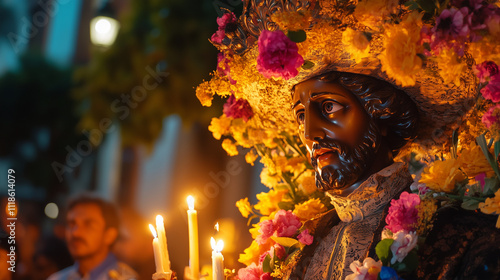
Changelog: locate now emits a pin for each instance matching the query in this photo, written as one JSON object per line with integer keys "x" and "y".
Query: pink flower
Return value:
{"x": 451, "y": 23}
{"x": 278, "y": 55}
{"x": 266, "y": 230}
{"x": 481, "y": 179}
{"x": 218, "y": 36}
{"x": 226, "y": 23}
{"x": 486, "y": 70}
{"x": 492, "y": 90}
{"x": 227, "y": 18}
{"x": 403, "y": 213}
{"x": 251, "y": 272}
{"x": 369, "y": 270}
{"x": 237, "y": 108}
{"x": 266, "y": 276}
{"x": 492, "y": 117}
{"x": 305, "y": 238}
{"x": 404, "y": 242}
{"x": 287, "y": 224}
{"x": 277, "y": 249}
{"x": 223, "y": 66}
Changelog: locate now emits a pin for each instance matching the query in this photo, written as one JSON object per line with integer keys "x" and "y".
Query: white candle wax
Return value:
{"x": 194, "y": 258}
{"x": 162, "y": 240}
{"x": 217, "y": 260}
{"x": 156, "y": 251}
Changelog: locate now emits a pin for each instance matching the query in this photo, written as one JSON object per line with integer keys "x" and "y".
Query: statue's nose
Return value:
{"x": 313, "y": 130}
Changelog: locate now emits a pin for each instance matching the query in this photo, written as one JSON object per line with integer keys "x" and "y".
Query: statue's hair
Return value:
{"x": 389, "y": 106}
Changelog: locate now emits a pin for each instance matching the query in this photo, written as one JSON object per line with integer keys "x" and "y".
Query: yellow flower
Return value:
{"x": 450, "y": 67}
{"x": 251, "y": 254}
{"x": 492, "y": 206}
{"x": 373, "y": 12}
{"x": 204, "y": 94}
{"x": 268, "y": 202}
{"x": 292, "y": 20}
{"x": 251, "y": 156}
{"x": 426, "y": 210}
{"x": 399, "y": 58}
{"x": 244, "y": 207}
{"x": 473, "y": 162}
{"x": 442, "y": 175}
{"x": 220, "y": 126}
{"x": 230, "y": 148}
{"x": 269, "y": 179}
{"x": 486, "y": 49}
{"x": 356, "y": 44}
{"x": 307, "y": 183}
{"x": 309, "y": 209}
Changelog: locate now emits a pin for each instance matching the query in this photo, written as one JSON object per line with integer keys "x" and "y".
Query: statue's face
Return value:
{"x": 339, "y": 134}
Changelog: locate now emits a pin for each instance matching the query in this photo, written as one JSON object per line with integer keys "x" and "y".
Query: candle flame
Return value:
{"x": 159, "y": 220}
{"x": 217, "y": 226}
{"x": 153, "y": 231}
{"x": 212, "y": 243}
{"x": 190, "y": 201}
{"x": 217, "y": 247}
{"x": 220, "y": 245}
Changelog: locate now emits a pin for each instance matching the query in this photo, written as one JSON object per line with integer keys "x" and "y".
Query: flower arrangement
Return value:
{"x": 414, "y": 44}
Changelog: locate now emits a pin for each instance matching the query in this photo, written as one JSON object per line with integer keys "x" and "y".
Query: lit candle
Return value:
{"x": 162, "y": 240}
{"x": 194, "y": 258}
{"x": 156, "y": 250}
{"x": 217, "y": 259}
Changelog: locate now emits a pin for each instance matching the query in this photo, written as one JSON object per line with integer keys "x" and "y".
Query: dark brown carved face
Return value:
{"x": 340, "y": 136}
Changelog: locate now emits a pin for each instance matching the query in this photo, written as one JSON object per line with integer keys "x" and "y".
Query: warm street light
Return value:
{"x": 104, "y": 27}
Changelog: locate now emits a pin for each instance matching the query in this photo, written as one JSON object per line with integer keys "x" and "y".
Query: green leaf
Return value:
{"x": 410, "y": 262}
{"x": 383, "y": 250}
{"x": 285, "y": 205}
{"x": 490, "y": 186}
{"x": 481, "y": 141}
{"x": 285, "y": 241}
{"x": 497, "y": 149}
{"x": 470, "y": 204}
{"x": 307, "y": 64}
{"x": 297, "y": 36}
{"x": 266, "y": 264}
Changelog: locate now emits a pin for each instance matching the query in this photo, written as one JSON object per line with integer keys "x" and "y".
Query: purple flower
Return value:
{"x": 278, "y": 55}
{"x": 451, "y": 23}
{"x": 388, "y": 273}
{"x": 492, "y": 117}
{"x": 237, "y": 108}
{"x": 492, "y": 90}
{"x": 403, "y": 213}
{"x": 481, "y": 179}
{"x": 305, "y": 238}
{"x": 486, "y": 70}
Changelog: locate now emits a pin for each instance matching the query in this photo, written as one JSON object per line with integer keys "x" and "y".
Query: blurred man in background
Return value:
{"x": 92, "y": 229}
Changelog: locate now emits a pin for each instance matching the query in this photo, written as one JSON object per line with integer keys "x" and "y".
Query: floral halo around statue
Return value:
{"x": 443, "y": 54}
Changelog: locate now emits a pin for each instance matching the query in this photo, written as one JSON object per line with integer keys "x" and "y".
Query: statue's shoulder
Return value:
{"x": 463, "y": 244}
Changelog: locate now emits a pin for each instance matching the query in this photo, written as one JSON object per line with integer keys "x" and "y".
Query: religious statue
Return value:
{"x": 349, "y": 95}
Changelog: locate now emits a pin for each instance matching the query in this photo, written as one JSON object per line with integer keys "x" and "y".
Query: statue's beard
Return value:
{"x": 352, "y": 163}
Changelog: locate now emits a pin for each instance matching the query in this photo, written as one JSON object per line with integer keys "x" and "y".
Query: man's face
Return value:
{"x": 340, "y": 136}
{"x": 86, "y": 232}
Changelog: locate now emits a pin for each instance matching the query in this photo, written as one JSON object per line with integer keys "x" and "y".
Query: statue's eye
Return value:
{"x": 330, "y": 107}
{"x": 300, "y": 117}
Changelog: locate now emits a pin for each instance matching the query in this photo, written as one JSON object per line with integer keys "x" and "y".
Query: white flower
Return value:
{"x": 368, "y": 270}
{"x": 404, "y": 242}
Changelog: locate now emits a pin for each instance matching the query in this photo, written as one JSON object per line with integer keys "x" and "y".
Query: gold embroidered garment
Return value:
{"x": 360, "y": 214}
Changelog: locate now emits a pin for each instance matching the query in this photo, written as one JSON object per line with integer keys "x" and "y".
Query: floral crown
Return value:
{"x": 430, "y": 51}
